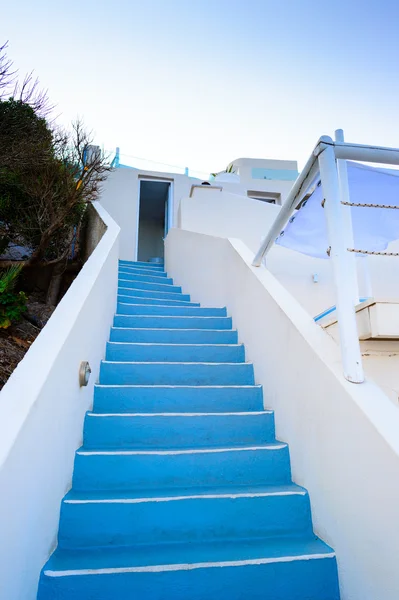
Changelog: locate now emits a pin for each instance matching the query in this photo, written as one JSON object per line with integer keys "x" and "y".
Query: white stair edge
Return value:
{"x": 179, "y": 498}
{"x": 263, "y": 448}
{"x": 189, "y": 566}
{"x": 205, "y": 414}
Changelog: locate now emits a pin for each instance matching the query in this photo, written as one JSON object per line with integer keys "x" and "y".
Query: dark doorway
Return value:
{"x": 153, "y": 219}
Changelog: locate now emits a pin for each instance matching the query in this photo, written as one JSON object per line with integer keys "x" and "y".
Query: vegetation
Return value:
{"x": 48, "y": 175}
{"x": 12, "y": 304}
{"x": 229, "y": 169}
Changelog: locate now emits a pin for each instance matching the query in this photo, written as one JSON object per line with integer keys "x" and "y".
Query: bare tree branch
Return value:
{"x": 7, "y": 74}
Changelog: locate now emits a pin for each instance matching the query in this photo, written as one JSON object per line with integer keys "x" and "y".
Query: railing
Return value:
{"x": 144, "y": 164}
{"x": 328, "y": 161}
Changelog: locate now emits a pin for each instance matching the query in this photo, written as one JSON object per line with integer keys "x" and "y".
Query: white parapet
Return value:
{"x": 343, "y": 438}
{"x": 42, "y": 408}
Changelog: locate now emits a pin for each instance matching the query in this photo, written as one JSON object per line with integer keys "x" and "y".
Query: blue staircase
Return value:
{"x": 180, "y": 490}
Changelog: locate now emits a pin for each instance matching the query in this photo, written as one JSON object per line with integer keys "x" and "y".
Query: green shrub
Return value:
{"x": 12, "y": 303}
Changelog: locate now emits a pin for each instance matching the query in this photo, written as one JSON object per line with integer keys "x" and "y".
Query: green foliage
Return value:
{"x": 25, "y": 138}
{"x": 12, "y": 304}
{"x": 229, "y": 169}
{"x": 46, "y": 184}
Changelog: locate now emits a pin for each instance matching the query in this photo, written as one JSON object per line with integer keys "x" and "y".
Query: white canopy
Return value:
{"x": 373, "y": 228}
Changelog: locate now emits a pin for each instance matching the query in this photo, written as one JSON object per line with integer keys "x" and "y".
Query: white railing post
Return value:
{"x": 349, "y": 340}
{"x": 347, "y": 219}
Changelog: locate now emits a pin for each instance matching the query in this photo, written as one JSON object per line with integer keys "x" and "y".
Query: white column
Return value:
{"x": 343, "y": 277}
{"x": 347, "y": 218}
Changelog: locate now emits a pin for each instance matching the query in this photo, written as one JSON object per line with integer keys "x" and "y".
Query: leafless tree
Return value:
{"x": 48, "y": 174}
{"x": 27, "y": 91}
{"x": 58, "y": 194}
{"x": 7, "y": 74}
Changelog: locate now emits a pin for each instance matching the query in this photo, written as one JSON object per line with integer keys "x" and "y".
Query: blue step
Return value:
{"x": 117, "y": 351}
{"x": 151, "y": 287}
{"x": 141, "y": 265}
{"x": 180, "y": 311}
{"x": 141, "y": 373}
{"x": 256, "y": 569}
{"x": 174, "y": 336}
{"x": 180, "y": 490}
{"x": 141, "y": 271}
{"x": 154, "y": 301}
{"x": 182, "y": 430}
{"x": 167, "y": 322}
{"x": 178, "y": 399}
{"x": 184, "y": 516}
{"x": 149, "y": 294}
{"x": 99, "y": 469}
{"x": 144, "y": 277}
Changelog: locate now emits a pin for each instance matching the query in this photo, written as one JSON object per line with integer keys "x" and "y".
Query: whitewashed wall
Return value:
{"x": 42, "y": 409}
{"x": 120, "y": 197}
{"x": 343, "y": 438}
{"x": 224, "y": 214}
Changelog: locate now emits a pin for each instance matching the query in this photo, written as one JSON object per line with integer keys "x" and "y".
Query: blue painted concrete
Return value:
{"x": 180, "y": 311}
{"x": 149, "y": 294}
{"x": 293, "y": 580}
{"x": 188, "y": 519}
{"x": 211, "y": 466}
{"x": 141, "y": 432}
{"x": 140, "y": 264}
{"x": 175, "y": 352}
{"x": 151, "y": 287}
{"x": 180, "y": 399}
{"x": 125, "y": 299}
{"x": 166, "y": 322}
{"x": 125, "y": 274}
{"x": 140, "y": 271}
{"x": 174, "y": 336}
{"x": 180, "y": 466}
{"x": 141, "y": 373}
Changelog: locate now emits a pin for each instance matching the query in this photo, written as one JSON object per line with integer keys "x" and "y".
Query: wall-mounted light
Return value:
{"x": 315, "y": 278}
{"x": 84, "y": 373}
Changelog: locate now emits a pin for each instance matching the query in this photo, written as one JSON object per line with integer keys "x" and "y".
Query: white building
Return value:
{"x": 146, "y": 204}
{"x": 343, "y": 436}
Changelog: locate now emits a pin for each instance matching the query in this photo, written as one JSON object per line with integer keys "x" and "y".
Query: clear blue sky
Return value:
{"x": 201, "y": 82}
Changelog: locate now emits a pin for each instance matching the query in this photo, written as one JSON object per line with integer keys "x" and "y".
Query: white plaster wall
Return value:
{"x": 120, "y": 197}
{"x": 120, "y": 191}
{"x": 42, "y": 409}
{"x": 343, "y": 438}
{"x": 243, "y": 167}
{"x": 224, "y": 214}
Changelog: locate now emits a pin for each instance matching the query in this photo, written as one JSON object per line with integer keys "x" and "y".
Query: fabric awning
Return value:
{"x": 373, "y": 228}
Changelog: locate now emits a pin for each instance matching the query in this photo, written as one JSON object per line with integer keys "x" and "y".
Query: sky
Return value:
{"x": 199, "y": 83}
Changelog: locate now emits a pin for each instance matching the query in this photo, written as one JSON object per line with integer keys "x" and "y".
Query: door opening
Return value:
{"x": 154, "y": 218}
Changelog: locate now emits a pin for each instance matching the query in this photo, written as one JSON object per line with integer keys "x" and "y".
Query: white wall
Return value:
{"x": 42, "y": 409}
{"x": 343, "y": 438}
{"x": 120, "y": 197}
{"x": 224, "y": 214}
{"x": 120, "y": 192}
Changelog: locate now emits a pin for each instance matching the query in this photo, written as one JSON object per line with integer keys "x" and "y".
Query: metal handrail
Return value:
{"x": 298, "y": 190}
{"x": 328, "y": 159}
